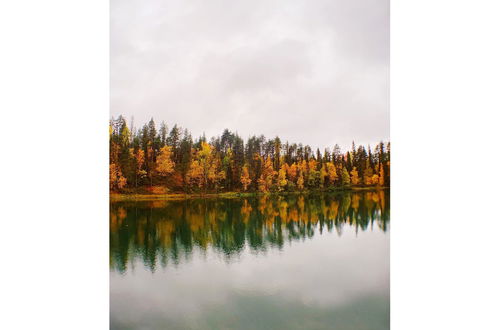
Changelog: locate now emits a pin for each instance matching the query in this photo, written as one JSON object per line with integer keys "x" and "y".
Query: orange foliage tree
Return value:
{"x": 245, "y": 178}
{"x": 267, "y": 176}
{"x": 116, "y": 179}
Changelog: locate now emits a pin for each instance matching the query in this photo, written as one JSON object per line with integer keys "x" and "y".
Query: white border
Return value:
{"x": 54, "y": 87}
{"x": 444, "y": 103}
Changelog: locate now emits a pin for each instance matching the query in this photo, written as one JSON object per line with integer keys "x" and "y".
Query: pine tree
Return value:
{"x": 163, "y": 132}
{"x": 323, "y": 175}
{"x": 173, "y": 141}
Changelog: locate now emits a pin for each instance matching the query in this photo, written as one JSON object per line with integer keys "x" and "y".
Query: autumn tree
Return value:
{"x": 215, "y": 173}
{"x": 331, "y": 173}
{"x": 207, "y": 167}
{"x": 300, "y": 181}
{"x": 139, "y": 163}
{"x": 204, "y": 158}
{"x": 313, "y": 176}
{"x": 116, "y": 179}
{"x": 194, "y": 176}
{"x": 281, "y": 179}
{"x": 303, "y": 171}
{"x": 164, "y": 162}
{"x": 354, "y": 176}
{"x": 265, "y": 180}
{"x": 368, "y": 173}
{"x": 345, "y": 177}
{"x": 292, "y": 172}
{"x": 245, "y": 178}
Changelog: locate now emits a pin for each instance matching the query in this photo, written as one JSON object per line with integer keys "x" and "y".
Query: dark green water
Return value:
{"x": 294, "y": 262}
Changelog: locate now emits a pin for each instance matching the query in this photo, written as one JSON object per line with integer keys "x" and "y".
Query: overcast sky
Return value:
{"x": 315, "y": 72}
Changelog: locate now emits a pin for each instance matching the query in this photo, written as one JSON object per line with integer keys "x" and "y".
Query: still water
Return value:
{"x": 270, "y": 262}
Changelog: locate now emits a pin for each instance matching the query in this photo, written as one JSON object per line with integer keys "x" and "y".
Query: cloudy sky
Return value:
{"x": 315, "y": 72}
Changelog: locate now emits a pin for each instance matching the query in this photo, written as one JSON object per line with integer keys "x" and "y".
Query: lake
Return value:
{"x": 270, "y": 262}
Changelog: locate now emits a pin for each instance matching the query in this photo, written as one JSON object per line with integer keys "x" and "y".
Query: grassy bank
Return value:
{"x": 140, "y": 196}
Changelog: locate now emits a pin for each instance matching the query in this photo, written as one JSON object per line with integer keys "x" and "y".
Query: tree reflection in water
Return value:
{"x": 167, "y": 232}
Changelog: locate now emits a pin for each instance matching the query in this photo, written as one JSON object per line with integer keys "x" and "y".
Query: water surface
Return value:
{"x": 272, "y": 262}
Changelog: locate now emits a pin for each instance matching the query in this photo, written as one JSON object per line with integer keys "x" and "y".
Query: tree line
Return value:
{"x": 170, "y": 160}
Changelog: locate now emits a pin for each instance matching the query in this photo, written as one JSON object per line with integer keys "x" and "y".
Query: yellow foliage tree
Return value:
{"x": 116, "y": 179}
{"x": 139, "y": 162}
{"x": 345, "y": 177}
{"x": 194, "y": 176}
{"x": 354, "y": 176}
{"x": 302, "y": 166}
{"x": 205, "y": 168}
{"x": 331, "y": 173}
{"x": 215, "y": 175}
{"x": 245, "y": 178}
{"x": 368, "y": 180}
{"x": 205, "y": 158}
{"x": 300, "y": 181}
{"x": 375, "y": 179}
{"x": 165, "y": 164}
{"x": 312, "y": 164}
{"x": 281, "y": 179}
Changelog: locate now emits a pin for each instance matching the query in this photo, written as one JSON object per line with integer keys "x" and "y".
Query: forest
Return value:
{"x": 160, "y": 161}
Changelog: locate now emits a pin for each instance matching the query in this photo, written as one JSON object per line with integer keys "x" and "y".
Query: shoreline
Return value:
{"x": 120, "y": 197}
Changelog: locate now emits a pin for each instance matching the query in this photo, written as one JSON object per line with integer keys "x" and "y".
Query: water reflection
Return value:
{"x": 165, "y": 233}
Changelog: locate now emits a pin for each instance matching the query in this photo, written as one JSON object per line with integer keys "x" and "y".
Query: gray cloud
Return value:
{"x": 312, "y": 72}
